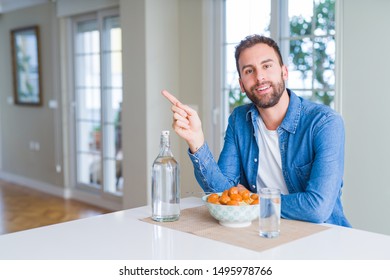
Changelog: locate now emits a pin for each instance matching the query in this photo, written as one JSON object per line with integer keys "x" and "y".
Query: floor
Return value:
{"x": 23, "y": 208}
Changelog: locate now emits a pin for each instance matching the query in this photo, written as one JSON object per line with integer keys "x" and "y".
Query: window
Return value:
{"x": 310, "y": 42}
{"x": 305, "y": 32}
{"x": 98, "y": 98}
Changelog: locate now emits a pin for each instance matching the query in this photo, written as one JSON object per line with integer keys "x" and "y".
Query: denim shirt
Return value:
{"x": 311, "y": 142}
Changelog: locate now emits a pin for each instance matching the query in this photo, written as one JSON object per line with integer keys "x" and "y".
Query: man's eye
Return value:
{"x": 248, "y": 71}
{"x": 266, "y": 66}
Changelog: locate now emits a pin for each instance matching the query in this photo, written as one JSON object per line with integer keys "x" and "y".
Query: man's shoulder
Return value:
{"x": 307, "y": 112}
{"x": 310, "y": 107}
{"x": 318, "y": 115}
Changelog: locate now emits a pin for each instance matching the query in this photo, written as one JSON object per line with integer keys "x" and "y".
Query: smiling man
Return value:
{"x": 278, "y": 141}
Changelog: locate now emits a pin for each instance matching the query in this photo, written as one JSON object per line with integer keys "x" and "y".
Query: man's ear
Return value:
{"x": 241, "y": 85}
{"x": 284, "y": 72}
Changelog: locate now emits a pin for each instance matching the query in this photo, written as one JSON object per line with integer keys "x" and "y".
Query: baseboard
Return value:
{"x": 34, "y": 184}
{"x": 114, "y": 204}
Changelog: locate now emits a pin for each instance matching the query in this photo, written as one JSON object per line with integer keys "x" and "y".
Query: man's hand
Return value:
{"x": 186, "y": 123}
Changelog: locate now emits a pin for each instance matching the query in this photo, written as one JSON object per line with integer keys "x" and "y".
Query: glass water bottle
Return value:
{"x": 165, "y": 183}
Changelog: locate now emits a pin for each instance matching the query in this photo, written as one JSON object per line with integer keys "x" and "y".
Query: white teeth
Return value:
{"x": 263, "y": 88}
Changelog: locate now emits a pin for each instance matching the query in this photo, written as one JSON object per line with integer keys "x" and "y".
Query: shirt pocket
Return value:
{"x": 303, "y": 174}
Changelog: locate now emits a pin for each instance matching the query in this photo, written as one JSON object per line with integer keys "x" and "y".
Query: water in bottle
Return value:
{"x": 165, "y": 183}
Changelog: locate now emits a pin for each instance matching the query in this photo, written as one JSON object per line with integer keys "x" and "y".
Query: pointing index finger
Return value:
{"x": 170, "y": 97}
{"x": 176, "y": 102}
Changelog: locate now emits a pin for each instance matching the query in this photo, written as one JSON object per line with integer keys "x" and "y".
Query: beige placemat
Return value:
{"x": 198, "y": 221}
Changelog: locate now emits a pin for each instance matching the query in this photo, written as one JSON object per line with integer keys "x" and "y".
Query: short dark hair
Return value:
{"x": 252, "y": 40}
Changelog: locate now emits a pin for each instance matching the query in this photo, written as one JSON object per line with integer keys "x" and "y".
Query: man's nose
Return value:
{"x": 260, "y": 76}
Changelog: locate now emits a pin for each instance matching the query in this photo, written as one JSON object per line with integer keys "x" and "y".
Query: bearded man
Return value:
{"x": 278, "y": 141}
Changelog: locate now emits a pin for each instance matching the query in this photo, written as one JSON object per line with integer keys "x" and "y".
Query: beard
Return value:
{"x": 270, "y": 99}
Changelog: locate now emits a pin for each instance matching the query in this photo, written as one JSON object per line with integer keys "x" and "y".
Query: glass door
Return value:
{"x": 98, "y": 99}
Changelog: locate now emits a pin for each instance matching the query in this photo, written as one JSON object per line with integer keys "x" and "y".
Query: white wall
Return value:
{"x": 365, "y": 107}
{"x": 134, "y": 102}
{"x": 21, "y": 125}
{"x": 150, "y": 64}
{"x": 162, "y": 71}
{"x": 191, "y": 77}
{"x": 162, "y": 49}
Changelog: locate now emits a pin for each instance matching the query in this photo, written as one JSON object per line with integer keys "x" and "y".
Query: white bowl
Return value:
{"x": 233, "y": 216}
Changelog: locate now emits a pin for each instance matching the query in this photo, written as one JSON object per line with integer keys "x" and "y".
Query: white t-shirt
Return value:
{"x": 269, "y": 173}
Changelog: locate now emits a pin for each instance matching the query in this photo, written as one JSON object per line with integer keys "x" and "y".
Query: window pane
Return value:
{"x": 88, "y": 104}
{"x": 116, "y": 69}
{"x": 86, "y": 32}
{"x": 307, "y": 94}
{"x": 88, "y": 67}
{"x": 88, "y": 99}
{"x": 89, "y": 167}
{"x": 324, "y": 54}
{"x": 89, "y": 139}
{"x": 112, "y": 33}
{"x": 245, "y": 17}
{"x": 113, "y": 69}
{"x": 113, "y": 94}
{"x": 87, "y": 54}
{"x": 87, "y": 38}
{"x": 300, "y": 64}
{"x": 113, "y": 184}
{"x": 300, "y": 13}
{"x": 324, "y": 97}
{"x": 325, "y": 17}
{"x": 231, "y": 77}
{"x": 236, "y": 97}
{"x": 112, "y": 39}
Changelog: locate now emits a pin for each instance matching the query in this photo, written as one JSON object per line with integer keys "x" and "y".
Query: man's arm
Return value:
{"x": 317, "y": 202}
{"x": 213, "y": 177}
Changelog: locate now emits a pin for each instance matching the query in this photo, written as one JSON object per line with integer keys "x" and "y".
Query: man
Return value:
{"x": 278, "y": 141}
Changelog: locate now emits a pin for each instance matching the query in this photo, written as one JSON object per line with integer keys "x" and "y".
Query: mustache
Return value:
{"x": 257, "y": 85}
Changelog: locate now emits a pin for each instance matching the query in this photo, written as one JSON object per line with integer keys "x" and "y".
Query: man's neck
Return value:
{"x": 273, "y": 116}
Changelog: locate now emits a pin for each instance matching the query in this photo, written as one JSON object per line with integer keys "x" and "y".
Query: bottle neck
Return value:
{"x": 165, "y": 146}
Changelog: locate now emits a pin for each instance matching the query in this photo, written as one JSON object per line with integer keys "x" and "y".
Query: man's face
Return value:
{"x": 262, "y": 77}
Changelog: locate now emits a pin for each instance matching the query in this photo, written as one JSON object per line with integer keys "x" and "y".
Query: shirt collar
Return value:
{"x": 252, "y": 113}
{"x": 290, "y": 121}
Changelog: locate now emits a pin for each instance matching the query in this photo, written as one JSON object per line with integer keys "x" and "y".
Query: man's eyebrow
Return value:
{"x": 264, "y": 61}
{"x": 246, "y": 66}
{"x": 267, "y": 60}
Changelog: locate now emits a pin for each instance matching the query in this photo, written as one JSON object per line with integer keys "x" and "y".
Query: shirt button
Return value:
{"x": 196, "y": 161}
{"x": 255, "y": 159}
{"x": 254, "y": 187}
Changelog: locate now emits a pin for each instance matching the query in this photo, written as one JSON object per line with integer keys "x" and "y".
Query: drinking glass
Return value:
{"x": 269, "y": 218}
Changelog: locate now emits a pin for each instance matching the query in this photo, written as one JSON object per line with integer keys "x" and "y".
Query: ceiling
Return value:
{"x": 12, "y": 5}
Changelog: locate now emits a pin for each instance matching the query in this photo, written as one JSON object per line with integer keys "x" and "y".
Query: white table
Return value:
{"x": 122, "y": 236}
